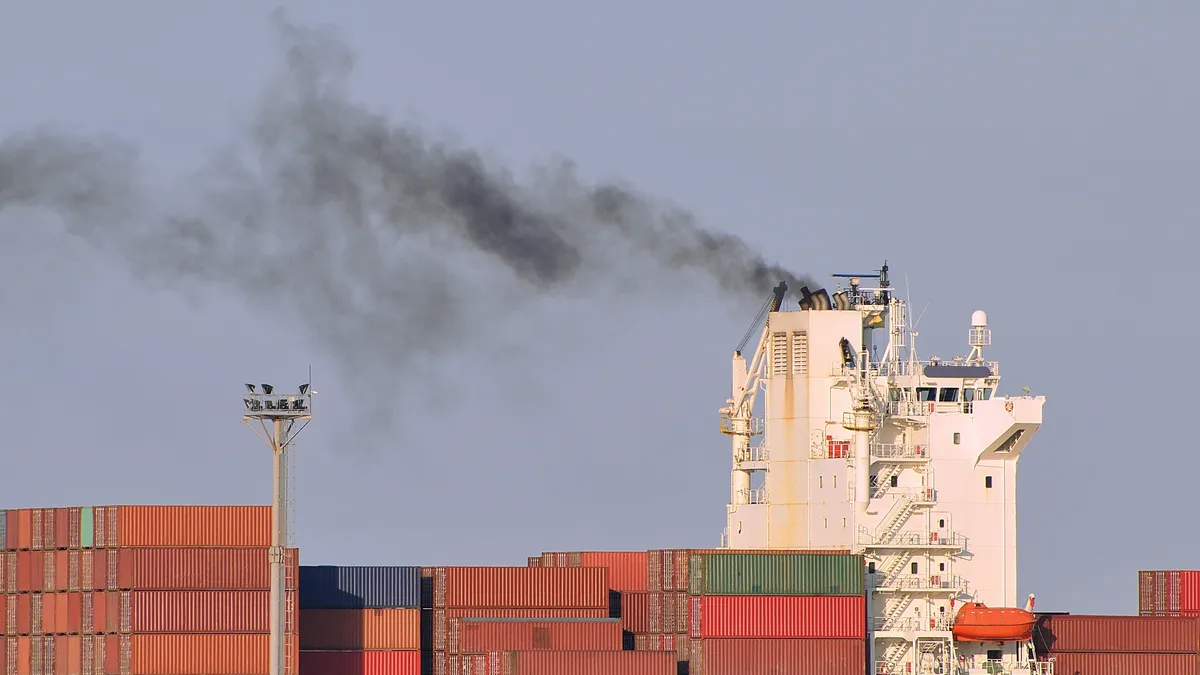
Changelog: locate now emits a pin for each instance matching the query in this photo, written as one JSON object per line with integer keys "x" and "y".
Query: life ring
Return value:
{"x": 1008, "y": 406}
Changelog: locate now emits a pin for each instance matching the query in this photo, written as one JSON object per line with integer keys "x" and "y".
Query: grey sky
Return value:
{"x": 1029, "y": 161}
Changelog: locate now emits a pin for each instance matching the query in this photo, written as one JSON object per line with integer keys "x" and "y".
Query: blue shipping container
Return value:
{"x": 336, "y": 587}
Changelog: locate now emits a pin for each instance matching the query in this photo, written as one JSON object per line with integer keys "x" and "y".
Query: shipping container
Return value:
{"x": 534, "y": 561}
{"x": 167, "y": 654}
{"x": 225, "y": 568}
{"x": 360, "y": 629}
{"x": 1159, "y": 593}
{"x": 627, "y": 570}
{"x": 788, "y": 574}
{"x": 635, "y": 612}
{"x": 779, "y": 657}
{"x": 478, "y": 635}
{"x": 783, "y": 616}
{"x": 1094, "y": 633}
{"x": 185, "y": 526}
{"x": 575, "y": 663}
{"x": 670, "y": 570}
{"x": 521, "y": 587}
{"x": 364, "y": 587}
{"x": 9, "y": 560}
{"x": 361, "y": 663}
{"x": 25, "y": 529}
{"x": 446, "y": 622}
{"x": 1125, "y": 664}
{"x": 4, "y": 529}
{"x": 201, "y": 611}
{"x": 87, "y": 526}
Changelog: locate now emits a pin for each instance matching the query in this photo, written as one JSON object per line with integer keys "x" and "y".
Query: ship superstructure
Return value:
{"x": 857, "y": 443}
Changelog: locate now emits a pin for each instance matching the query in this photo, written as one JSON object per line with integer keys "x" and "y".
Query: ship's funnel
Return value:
{"x": 841, "y": 300}
{"x": 806, "y": 298}
{"x": 821, "y": 300}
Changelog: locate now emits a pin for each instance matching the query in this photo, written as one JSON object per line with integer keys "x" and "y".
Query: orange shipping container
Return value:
{"x": 635, "y": 612}
{"x": 785, "y": 657}
{"x": 1125, "y": 664}
{"x": 62, "y": 528}
{"x": 575, "y": 663}
{"x": 358, "y": 663}
{"x": 62, "y": 570}
{"x": 627, "y": 570}
{"x": 1098, "y": 633}
{"x": 778, "y": 616}
{"x": 446, "y": 621}
{"x": 360, "y": 629}
{"x": 198, "y": 612}
{"x": 485, "y": 635}
{"x": 26, "y": 562}
{"x": 186, "y": 526}
{"x": 9, "y": 560}
{"x": 217, "y": 569}
{"x": 166, "y": 654}
{"x": 520, "y": 587}
{"x": 24, "y": 614}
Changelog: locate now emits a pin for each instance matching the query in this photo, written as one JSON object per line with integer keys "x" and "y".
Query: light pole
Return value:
{"x": 277, "y": 416}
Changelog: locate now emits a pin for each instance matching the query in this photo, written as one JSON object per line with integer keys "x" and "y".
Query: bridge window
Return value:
{"x": 941, "y": 522}
{"x": 926, "y": 393}
{"x": 820, "y": 482}
{"x": 987, "y": 393}
{"x": 957, "y": 438}
{"x": 941, "y": 567}
{"x": 893, "y": 394}
{"x": 995, "y": 654}
{"x": 987, "y": 481}
{"x": 895, "y": 481}
{"x": 969, "y": 394}
{"x": 870, "y": 568}
{"x": 948, "y": 395}
{"x": 914, "y": 568}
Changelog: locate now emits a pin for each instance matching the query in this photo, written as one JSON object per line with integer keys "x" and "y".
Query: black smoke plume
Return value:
{"x": 365, "y": 226}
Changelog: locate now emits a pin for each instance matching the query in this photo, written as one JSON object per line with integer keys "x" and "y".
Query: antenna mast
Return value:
{"x": 280, "y": 417}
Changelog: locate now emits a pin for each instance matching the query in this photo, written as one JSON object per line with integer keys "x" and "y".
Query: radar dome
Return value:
{"x": 979, "y": 318}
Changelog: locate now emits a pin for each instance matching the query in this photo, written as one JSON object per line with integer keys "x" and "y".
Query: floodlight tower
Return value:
{"x": 277, "y": 416}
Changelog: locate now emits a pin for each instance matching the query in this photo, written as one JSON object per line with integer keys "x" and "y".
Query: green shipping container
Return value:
{"x": 86, "y": 527}
{"x": 775, "y": 574}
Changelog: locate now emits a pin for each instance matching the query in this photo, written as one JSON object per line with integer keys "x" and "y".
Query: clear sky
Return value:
{"x": 1036, "y": 160}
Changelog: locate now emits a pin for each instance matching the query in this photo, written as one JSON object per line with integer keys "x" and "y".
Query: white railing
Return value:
{"x": 933, "y": 582}
{"x": 913, "y": 539}
{"x": 910, "y": 624}
{"x": 753, "y": 496}
{"x": 1004, "y": 668}
{"x": 898, "y": 451}
{"x": 905, "y": 368}
{"x": 751, "y": 426}
{"x": 725, "y": 538}
{"x": 755, "y": 453}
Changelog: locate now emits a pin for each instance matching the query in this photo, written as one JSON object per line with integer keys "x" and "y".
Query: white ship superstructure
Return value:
{"x": 858, "y": 444}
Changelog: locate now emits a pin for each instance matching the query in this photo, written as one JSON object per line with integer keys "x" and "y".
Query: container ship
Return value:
{"x": 870, "y": 530}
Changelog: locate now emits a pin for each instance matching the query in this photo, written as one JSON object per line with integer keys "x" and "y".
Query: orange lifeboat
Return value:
{"x": 976, "y": 622}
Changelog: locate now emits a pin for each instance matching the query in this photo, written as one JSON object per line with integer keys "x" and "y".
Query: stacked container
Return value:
{"x": 461, "y": 596}
{"x": 628, "y": 579}
{"x": 1119, "y": 645}
{"x": 356, "y": 620}
{"x": 1169, "y": 593}
{"x": 732, "y": 609}
{"x": 139, "y": 590}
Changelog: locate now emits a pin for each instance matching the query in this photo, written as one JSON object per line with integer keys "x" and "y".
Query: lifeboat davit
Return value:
{"x": 976, "y": 622}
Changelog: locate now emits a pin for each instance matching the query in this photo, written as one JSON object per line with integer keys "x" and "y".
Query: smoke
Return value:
{"x": 381, "y": 239}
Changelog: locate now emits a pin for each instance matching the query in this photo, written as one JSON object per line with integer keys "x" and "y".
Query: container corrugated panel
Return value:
{"x": 580, "y": 663}
{"x": 9, "y": 560}
{"x": 199, "y": 568}
{"x": 1189, "y": 592}
{"x": 524, "y": 587}
{"x": 779, "y": 657}
{"x": 188, "y": 526}
{"x": 780, "y": 616}
{"x": 360, "y": 629}
{"x": 669, "y": 570}
{"x": 87, "y": 525}
{"x": 200, "y": 611}
{"x": 635, "y": 612}
{"x": 485, "y": 635}
{"x": 25, "y": 529}
{"x": 4, "y": 529}
{"x": 793, "y": 574}
{"x": 368, "y": 587}
{"x": 1094, "y": 633}
{"x": 182, "y": 654}
{"x": 1125, "y": 664}
{"x": 1159, "y": 592}
{"x": 361, "y": 663}
{"x": 534, "y": 561}
{"x": 627, "y": 570}
{"x": 446, "y": 622}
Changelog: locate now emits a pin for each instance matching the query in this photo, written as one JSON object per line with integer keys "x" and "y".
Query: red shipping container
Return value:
{"x": 87, "y": 573}
{"x": 73, "y": 523}
{"x": 99, "y": 569}
{"x": 657, "y": 642}
{"x": 521, "y": 587}
{"x": 1095, "y": 633}
{"x": 189, "y": 526}
{"x": 779, "y": 616}
{"x": 10, "y": 615}
{"x": 62, "y": 528}
{"x": 1189, "y": 592}
{"x": 780, "y": 657}
{"x": 635, "y": 612}
{"x": 1125, "y": 664}
{"x": 100, "y": 613}
{"x": 484, "y": 635}
{"x": 534, "y": 561}
{"x": 25, "y": 614}
{"x": 446, "y": 621}
{"x": 1159, "y": 593}
{"x": 359, "y": 663}
{"x": 73, "y": 571}
{"x": 200, "y": 612}
{"x": 25, "y": 528}
{"x": 575, "y": 663}
{"x": 627, "y": 570}
{"x": 27, "y": 562}
{"x": 12, "y": 526}
{"x": 48, "y": 560}
{"x": 225, "y": 568}
{"x": 360, "y": 629}
{"x": 62, "y": 571}
{"x": 9, "y": 560}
